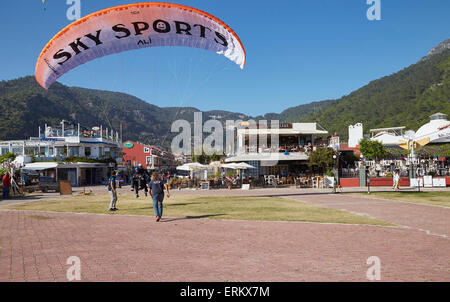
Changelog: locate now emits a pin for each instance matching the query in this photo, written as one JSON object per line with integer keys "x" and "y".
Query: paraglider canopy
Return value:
{"x": 135, "y": 26}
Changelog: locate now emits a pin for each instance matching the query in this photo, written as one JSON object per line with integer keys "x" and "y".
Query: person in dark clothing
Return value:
{"x": 139, "y": 181}
{"x": 144, "y": 178}
{"x": 135, "y": 182}
{"x": 157, "y": 187}
{"x": 6, "y": 180}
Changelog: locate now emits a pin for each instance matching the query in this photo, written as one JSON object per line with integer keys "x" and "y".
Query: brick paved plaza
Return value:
{"x": 35, "y": 245}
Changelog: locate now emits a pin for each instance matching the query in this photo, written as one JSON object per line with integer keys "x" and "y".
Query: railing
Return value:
{"x": 349, "y": 173}
{"x": 282, "y": 149}
{"x": 354, "y": 173}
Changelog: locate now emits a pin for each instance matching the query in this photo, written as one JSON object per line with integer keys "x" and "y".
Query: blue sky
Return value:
{"x": 297, "y": 51}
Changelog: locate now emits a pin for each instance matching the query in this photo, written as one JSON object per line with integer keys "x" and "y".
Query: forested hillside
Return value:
{"x": 24, "y": 106}
{"x": 406, "y": 98}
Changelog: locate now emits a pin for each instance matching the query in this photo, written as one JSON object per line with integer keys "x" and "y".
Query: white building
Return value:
{"x": 435, "y": 131}
{"x": 355, "y": 135}
{"x": 295, "y": 140}
{"x": 55, "y": 152}
{"x": 390, "y": 137}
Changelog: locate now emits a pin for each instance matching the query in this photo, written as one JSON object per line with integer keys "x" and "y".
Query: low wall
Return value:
{"x": 404, "y": 182}
{"x": 377, "y": 182}
{"x": 388, "y": 181}
{"x": 349, "y": 182}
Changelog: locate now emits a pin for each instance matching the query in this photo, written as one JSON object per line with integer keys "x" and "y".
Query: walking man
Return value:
{"x": 112, "y": 191}
{"x": 157, "y": 193}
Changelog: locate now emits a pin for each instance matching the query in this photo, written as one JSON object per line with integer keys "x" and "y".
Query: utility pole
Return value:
{"x": 121, "y": 132}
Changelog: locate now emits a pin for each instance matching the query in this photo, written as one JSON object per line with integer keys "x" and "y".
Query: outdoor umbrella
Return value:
{"x": 215, "y": 164}
{"x": 230, "y": 166}
{"x": 191, "y": 167}
{"x": 244, "y": 166}
{"x": 183, "y": 168}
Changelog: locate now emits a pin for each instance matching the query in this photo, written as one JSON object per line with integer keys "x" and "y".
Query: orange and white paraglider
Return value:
{"x": 135, "y": 26}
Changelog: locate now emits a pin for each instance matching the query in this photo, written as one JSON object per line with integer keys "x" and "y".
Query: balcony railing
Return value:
{"x": 282, "y": 149}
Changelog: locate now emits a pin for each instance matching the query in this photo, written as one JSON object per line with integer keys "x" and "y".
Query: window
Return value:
{"x": 61, "y": 151}
{"x": 74, "y": 151}
{"x": 87, "y": 151}
{"x": 107, "y": 152}
{"x": 17, "y": 150}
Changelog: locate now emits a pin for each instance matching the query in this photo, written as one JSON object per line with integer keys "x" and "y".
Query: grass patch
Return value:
{"x": 211, "y": 207}
{"x": 439, "y": 198}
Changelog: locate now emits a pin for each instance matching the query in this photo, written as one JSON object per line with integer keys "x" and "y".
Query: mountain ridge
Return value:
{"x": 405, "y": 98}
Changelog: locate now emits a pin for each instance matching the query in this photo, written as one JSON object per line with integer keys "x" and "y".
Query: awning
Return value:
{"x": 40, "y": 166}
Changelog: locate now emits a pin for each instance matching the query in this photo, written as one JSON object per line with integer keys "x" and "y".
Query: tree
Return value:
{"x": 205, "y": 159}
{"x": 322, "y": 158}
{"x": 372, "y": 149}
{"x": 393, "y": 153}
{"x": 7, "y": 157}
{"x": 430, "y": 151}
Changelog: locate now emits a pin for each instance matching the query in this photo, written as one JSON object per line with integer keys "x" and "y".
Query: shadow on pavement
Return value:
{"x": 190, "y": 217}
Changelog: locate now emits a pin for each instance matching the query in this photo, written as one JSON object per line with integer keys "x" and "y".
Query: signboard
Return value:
{"x": 128, "y": 145}
{"x": 148, "y": 160}
{"x": 329, "y": 182}
{"x": 439, "y": 182}
{"x": 205, "y": 186}
{"x": 285, "y": 125}
{"x": 245, "y": 186}
{"x": 47, "y": 139}
{"x": 65, "y": 188}
{"x": 428, "y": 181}
{"x": 146, "y": 150}
{"x": 416, "y": 182}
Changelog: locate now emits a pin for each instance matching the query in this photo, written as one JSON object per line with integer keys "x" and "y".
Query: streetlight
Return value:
{"x": 362, "y": 166}
{"x": 366, "y": 168}
{"x": 334, "y": 174}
